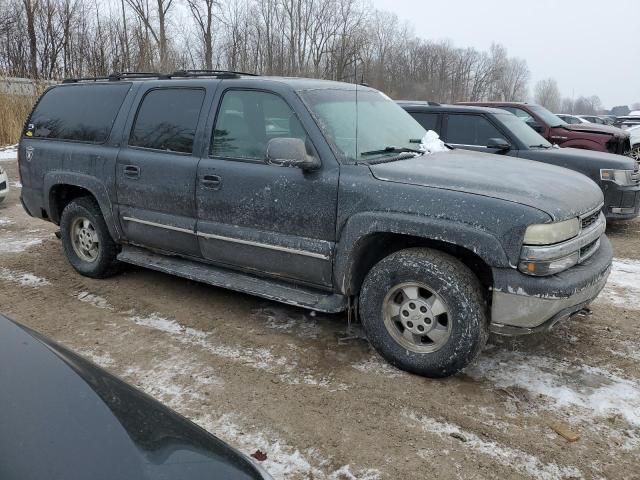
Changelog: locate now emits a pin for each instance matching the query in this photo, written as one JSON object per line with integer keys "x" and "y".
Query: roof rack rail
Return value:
{"x": 211, "y": 73}
{"x": 116, "y": 76}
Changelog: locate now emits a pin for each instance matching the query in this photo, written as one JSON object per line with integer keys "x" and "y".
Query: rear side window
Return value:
{"x": 167, "y": 120}
{"x": 82, "y": 113}
{"x": 470, "y": 130}
{"x": 429, "y": 121}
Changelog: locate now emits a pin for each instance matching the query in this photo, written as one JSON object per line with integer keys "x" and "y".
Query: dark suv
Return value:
{"x": 493, "y": 130}
{"x": 588, "y": 136}
{"x": 317, "y": 194}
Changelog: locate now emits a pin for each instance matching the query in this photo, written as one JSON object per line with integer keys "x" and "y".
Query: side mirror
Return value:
{"x": 290, "y": 152}
{"x": 536, "y": 126}
{"x": 499, "y": 144}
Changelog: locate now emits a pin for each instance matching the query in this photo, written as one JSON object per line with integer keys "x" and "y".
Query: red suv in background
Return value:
{"x": 602, "y": 138}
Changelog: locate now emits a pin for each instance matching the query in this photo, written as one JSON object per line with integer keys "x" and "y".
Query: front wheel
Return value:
{"x": 635, "y": 152}
{"x": 424, "y": 311}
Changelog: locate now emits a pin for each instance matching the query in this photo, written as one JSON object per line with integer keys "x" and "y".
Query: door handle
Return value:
{"x": 211, "y": 181}
{"x": 131, "y": 171}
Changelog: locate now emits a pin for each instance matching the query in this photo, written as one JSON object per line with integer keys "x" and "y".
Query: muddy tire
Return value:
{"x": 86, "y": 240}
{"x": 424, "y": 311}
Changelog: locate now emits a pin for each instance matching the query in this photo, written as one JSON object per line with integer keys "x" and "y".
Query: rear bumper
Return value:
{"x": 524, "y": 304}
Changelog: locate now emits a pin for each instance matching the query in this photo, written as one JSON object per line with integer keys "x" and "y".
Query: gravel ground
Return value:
{"x": 288, "y": 382}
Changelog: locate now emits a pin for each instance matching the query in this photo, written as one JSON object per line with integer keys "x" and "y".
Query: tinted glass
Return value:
{"x": 546, "y": 116}
{"x": 523, "y": 132}
{"x": 362, "y": 122}
{"x": 429, "y": 121}
{"x": 521, "y": 114}
{"x": 470, "y": 130}
{"x": 167, "y": 120}
{"x": 247, "y": 120}
{"x": 83, "y": 113}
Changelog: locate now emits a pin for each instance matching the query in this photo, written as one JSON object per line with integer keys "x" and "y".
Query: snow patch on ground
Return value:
{"x": 102, "y": 359}
{"x": 13, "y": 244}
{"x": 174, "y": 380}
{"x": 623, "y": 287}
{"x": 25, "y": 279}
{"x": 302, "y": 325}
{"x": 5, "y": 221}
{"x": 283, "y": 461}
{"x": 596, "y": 390}
{"x": 287, "y": 369}
{"x": 377, "y": 366}
{"x": 94, "y": 300}
{"x": 9, "y": 153}
{"x": 522, "y": 462}
{"x": 15, "y": 184}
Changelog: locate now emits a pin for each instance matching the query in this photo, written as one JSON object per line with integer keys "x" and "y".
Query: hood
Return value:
{"x": 63, "y": 417}
{"x": 578, "y": 158}
{"x": 594, "y": 128}
{"x": 557, "y": 191}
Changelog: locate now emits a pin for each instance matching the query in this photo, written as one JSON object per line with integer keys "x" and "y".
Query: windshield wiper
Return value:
{"x": 542, "y": 145}
{"x": 391, "y": 150}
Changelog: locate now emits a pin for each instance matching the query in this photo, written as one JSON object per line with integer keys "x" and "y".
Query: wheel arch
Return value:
{"x": 62, "y": 188}
{"x": 368, "y": 239}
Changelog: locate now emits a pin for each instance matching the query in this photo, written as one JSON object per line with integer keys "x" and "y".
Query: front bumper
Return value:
{"x": 523, "y": 304}
{"x": 621, "y": 202}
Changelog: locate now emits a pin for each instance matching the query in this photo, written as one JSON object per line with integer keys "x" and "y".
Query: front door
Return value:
{"x": 272, "y": 220}
{"x": 471, "y": 132}
{"x": 156, "y": 171}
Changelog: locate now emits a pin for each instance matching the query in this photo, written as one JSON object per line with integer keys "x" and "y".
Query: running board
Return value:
{"x": 232, "y": 280}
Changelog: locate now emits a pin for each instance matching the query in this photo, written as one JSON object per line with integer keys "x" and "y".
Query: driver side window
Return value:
{"x": 247, "y": 120}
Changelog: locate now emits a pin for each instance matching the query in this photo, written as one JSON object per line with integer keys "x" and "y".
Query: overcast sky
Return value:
{"x": 591, "y": 47}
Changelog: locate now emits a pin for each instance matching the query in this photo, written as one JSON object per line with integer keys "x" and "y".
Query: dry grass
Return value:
{"x": 14, "y": 110}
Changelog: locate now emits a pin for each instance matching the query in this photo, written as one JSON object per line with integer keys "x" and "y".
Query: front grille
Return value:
{"x": 3, "y": 185}
{"x": 590, "y": 220}
{"x": 588, "y": 250}
{"x": 635, "y": 176}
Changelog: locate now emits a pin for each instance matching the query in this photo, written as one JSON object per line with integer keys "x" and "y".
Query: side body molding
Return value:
{"x": 362, "y": 225}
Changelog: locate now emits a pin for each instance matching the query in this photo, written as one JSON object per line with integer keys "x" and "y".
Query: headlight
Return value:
{"x": 550, "y": 233}
{"x": 621, "y": 177}
{"x": 550, "y": 267}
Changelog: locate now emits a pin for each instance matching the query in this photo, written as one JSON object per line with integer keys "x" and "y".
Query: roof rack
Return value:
{"x": 211, "y": 73}
{"x": 117, "y": 76}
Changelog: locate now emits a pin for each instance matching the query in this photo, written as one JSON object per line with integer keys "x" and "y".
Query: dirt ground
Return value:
{"x": 265, "y": 376}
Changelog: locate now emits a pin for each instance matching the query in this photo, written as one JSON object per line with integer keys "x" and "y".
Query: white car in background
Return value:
{"x": 571, "y": 119}
{"x": 4, "y": 184}
{"x": 635, "y": 141}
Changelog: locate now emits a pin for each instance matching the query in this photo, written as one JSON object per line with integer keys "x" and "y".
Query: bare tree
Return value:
{"x": 203, "y": 13}
{"x": 148, "y": 16}
{"x": 547, "y": 94}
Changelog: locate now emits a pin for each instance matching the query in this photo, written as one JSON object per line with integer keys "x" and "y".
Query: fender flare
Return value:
{"x": 362, "y": 225}
{"x": 89, "y": 183}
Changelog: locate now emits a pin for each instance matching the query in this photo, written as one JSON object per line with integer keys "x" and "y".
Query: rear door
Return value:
{"x": 156, "y": 170}
{"x": 273, "y": 220}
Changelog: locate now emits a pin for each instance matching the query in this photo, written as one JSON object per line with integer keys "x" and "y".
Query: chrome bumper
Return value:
{"x": 537, "y": 304}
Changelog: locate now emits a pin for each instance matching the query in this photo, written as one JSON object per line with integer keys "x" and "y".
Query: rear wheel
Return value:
{"x": 424, "y": 311}
{"x": 635, "y": 152}
{"x": 87, "y": 242}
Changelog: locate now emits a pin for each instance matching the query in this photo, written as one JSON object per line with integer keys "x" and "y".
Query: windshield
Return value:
{"x": 547, "y": 117}
{"x": 523, "y": 132}
{"x": 376, "y": 124}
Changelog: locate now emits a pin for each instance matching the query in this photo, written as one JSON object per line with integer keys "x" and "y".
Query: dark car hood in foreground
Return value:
{"x": 63, "y": 418}
{"x": 595, "y": 128}
{"x": 584, "y": 161}
{"x": 560, "y": 192}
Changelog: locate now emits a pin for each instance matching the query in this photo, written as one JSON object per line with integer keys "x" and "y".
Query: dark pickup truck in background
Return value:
{"x": 602, "y": 138}
{"x": 319, "y": 194}
{"x": 493, "y": 130}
